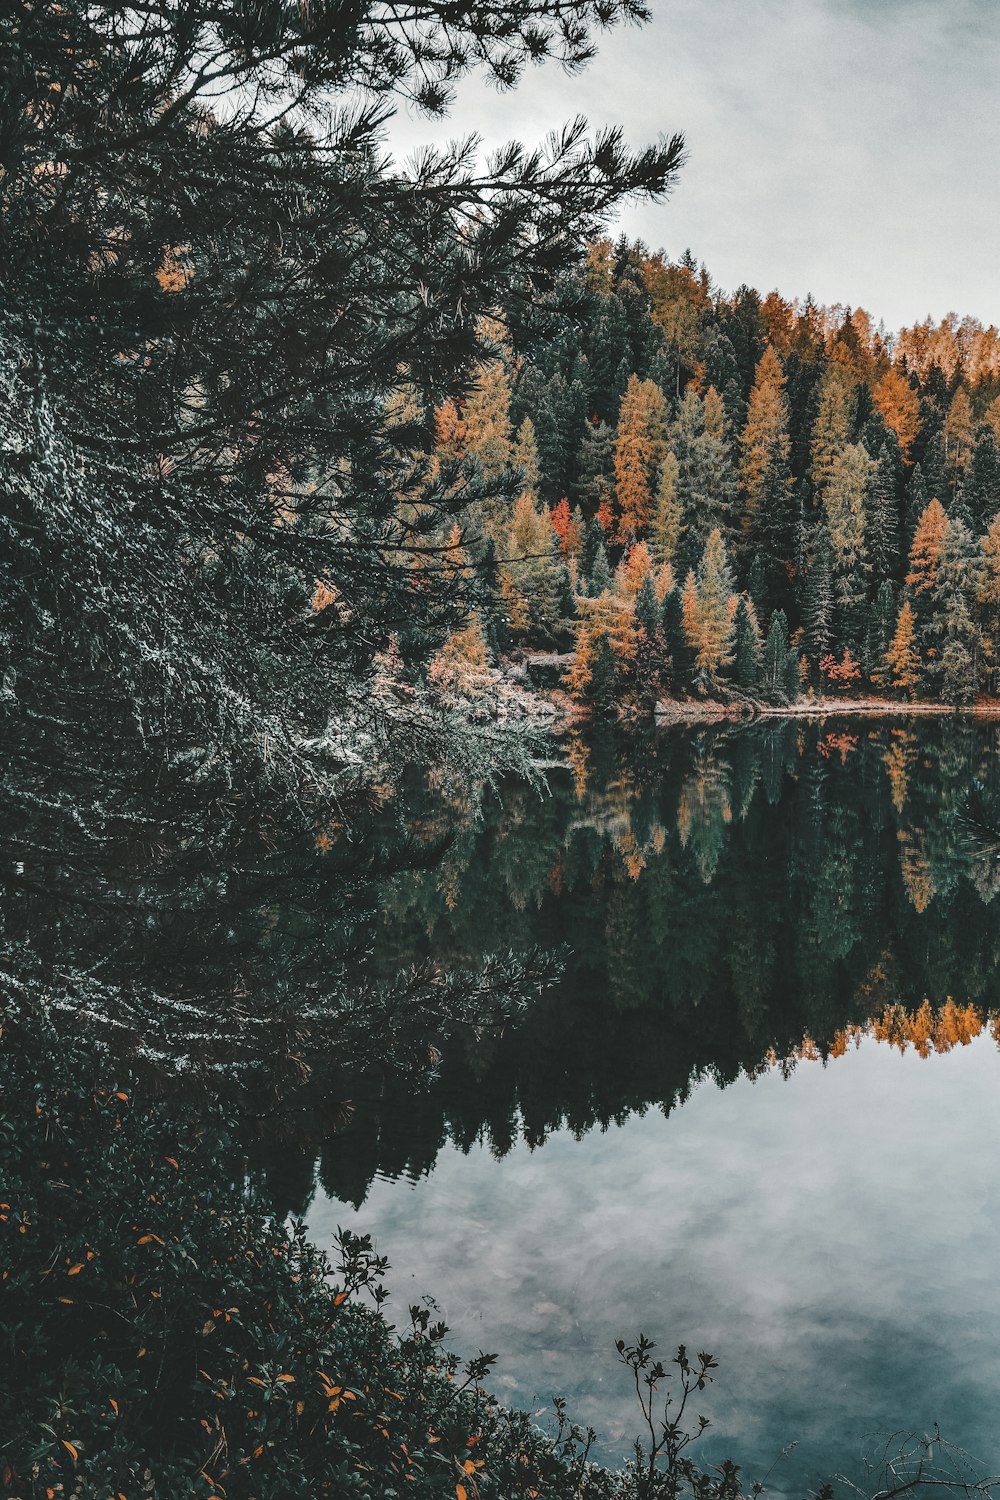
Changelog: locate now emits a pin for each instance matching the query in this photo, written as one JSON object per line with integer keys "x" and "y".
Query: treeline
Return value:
{"x": 729, "y": 494}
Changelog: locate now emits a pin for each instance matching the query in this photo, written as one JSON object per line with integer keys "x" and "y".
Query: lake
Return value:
{"x": 760, "y": 1112}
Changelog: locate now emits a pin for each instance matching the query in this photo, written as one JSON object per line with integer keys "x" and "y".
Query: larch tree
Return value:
{"x": 666, "y": 531}
{"x": 712, "y": 634}
{"x": 833, "y": 424}
{"x": 844, "y": 506}
{"x": 902, "y": 660}
{"x": 640, "y": 444}
{"x": 764, "y": 443}
{"x": 899, "y": 405}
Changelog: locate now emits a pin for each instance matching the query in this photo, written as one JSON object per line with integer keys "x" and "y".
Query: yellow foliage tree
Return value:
{"x": 899, "y": 406}
{"x": 640, "y": 445}
{"x": 902, "y": 659}
{"x": 765, "y": 435}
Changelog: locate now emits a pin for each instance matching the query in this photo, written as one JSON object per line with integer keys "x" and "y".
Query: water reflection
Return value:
{"x": 744, "y": 1143}
{"x": 727, "y": 898}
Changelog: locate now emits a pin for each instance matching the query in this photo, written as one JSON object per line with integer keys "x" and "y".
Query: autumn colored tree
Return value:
{"x": 640, "y": 444}
{"x": 902, "y": 659}
{"x": 899, "y": 405}
{"x": 764, "y": 443}
{"x": 925, "y": 552}
{"x": 833, "y": 424}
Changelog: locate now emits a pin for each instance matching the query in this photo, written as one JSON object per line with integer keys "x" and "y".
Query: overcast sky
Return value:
{"x": 836, "y": 147}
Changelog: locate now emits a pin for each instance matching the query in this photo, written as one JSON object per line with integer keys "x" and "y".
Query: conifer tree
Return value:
{"x": 882, "y": 521}
{"x": 899, "y": 405}
{"x": 957, "y": 584}
{"x": 709, "y": 617}
{"x": 833, "y": 424}
{"x": 902, "y": 659}
{"x": 982, "y": 486}
{"x": 675, "y": 641}
{"x": 764, "y": 444}
{"x": 958, "y": 430}
{"x": 844, "y": 506}
{"x": 779, "y": 667}
{"x": 600, "y": 574}
{"x": 818, "y": 599}
{"x": 747, "y": 648}
{"x": 640, "y": 444}
{"x": 667, "y": 530}
{"x": 594, "y": 487}
{"x": 485, "y": 423}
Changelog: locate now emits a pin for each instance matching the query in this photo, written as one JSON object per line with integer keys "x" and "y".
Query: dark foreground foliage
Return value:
{"x": 164, "y": 1334}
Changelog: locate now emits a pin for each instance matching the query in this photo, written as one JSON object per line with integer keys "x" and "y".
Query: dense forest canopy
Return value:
{"x": 734, "y": 494}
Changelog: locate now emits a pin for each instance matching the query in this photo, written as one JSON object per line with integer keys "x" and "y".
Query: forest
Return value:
{"x": 733, "y": 495}
{"x": 305, "y": 454}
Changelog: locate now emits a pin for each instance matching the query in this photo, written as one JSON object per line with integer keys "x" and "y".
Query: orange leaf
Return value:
{"x": 114, "y": 1406}
{"x": 172, "y": 1161}
{"x": 286, "y": 1379}
{"x": 74, "y": 1452}
{"x": 461, "y": 1492}
{"x": 340, "y": 1297}
{"x": 75, "y": 1270}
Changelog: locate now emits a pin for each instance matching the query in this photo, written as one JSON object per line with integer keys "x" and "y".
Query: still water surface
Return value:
{"x": 732, "y": 1124}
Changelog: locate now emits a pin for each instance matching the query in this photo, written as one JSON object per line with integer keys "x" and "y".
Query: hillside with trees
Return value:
{"x": 730, "y": 496}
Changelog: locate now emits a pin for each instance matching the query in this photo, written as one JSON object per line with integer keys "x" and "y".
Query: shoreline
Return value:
{"x": 681, "y": 712}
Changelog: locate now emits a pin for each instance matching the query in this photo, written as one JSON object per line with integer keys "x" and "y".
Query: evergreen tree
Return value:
{"x": 594, "y": 487}
{"x": 954, "y": 630}
{"x": 779, "y": 667}
{"x": 982, "y": 487}
{"x": 818, "y": 599}
{"x": 833, "y": 425}
{"x": 748, "y": 655}
{"x": 600, "y": 574}
{"x": 667, "y": 530}
{"x": 844, "y": 506}
{"x": 675, "y": 641}
{"x": 882, "y": 521}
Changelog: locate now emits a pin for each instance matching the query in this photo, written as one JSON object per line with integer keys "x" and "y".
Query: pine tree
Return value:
{"x": 779, "y": 667}
{"x": 600, "y": 574}
{"x": 880, "y": 625}
{"x": 675, "y": 642}
{"x": 957, "y": 584}
{"x": 882, "y": 521}
{"x": 747, "y": 649}
{"x": 594, "y": 487}
{"x": 844, "y": 505}
{"x": 706, "y": 480}
{"x": 982, "y": 487}
{"x": 818, "y": 599}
